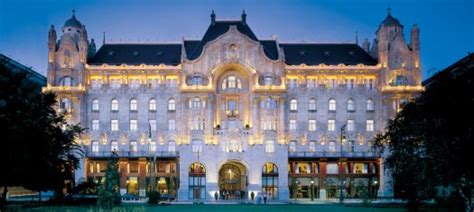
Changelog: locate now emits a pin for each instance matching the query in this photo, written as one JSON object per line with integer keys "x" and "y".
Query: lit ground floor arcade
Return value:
{"x": 304, "y": 178}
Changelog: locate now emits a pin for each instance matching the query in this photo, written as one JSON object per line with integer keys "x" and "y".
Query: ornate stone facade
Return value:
{"x": 233, "y": 114}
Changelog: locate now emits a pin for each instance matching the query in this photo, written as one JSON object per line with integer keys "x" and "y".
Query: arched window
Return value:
{"x": 152, "y": 105}
{"x": 171, "y": 105}
{"x": 400, "y": 80}
{"x": 133, "y": 105}
{"x": 350, "y": 105}
{"x": 95, "y": 105}
{"x": 332, "y": 105}
{"x": 370, "y": 105}
{"x": 312, "y": 105}
{"x": 269, "y": 146}
{"x": 67, "y": 81}
{"x": 231, "y": 82}
{"x": 197, "y": 181}
{"x": 114, "y": 107}
{"x": 293, "y": 105}
{"x": 270, "y": 180}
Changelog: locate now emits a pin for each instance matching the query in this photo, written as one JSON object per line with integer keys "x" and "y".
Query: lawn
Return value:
{"x": 223, "y": 208}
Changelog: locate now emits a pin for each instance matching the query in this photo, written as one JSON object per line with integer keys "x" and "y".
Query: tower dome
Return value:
{"x": 73, "y": 22}
{"x": 390, "y": 21}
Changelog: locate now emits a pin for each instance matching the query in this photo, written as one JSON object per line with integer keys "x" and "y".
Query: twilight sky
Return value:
{"x": 446, "y": 26}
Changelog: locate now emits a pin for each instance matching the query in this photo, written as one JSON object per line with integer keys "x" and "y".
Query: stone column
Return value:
{"x": 322, "y": 179}
{"x": 123, "y": 176}
{"x": 142, "y": 177}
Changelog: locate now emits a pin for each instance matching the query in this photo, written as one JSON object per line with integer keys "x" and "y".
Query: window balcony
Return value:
{"x": 132, "y": 154}
{"x": 335, "y": 154}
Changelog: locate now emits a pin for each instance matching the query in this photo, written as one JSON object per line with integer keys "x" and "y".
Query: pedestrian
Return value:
{"x": 252, "y": 196}
{"x": 264, "y": 198}
{"x": 216, "y": 196}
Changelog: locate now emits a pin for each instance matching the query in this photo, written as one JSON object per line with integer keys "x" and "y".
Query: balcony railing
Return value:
{"x": 337, "y": 154}
{"x": 158, "y": 154}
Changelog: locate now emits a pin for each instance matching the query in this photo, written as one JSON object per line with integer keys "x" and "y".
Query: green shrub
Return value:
{"x": 153, "y": 197}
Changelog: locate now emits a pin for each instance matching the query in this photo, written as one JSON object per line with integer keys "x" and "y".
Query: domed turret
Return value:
{"x": 73, "y": 22}
{"x": 390, "y": 21}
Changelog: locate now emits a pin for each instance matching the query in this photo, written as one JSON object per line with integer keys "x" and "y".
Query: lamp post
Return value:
{"x": 375, "y": 188}
{"x": 341, "y": 175}
{"x": 295, "y": 189}
{"x": 312, "y": 190}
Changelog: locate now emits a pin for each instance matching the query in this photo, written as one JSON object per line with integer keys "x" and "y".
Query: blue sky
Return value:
{"x": 447, "y": 26}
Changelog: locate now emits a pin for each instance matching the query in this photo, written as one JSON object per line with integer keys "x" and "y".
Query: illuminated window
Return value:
{"x": 269, "y": 146}
{"x": 152, "y": 147}
{"x": 292, "y": 124}
{"x": 312, "y": 146}
{"x": 311, "y": 125}
{"x": 114, "y": 146}
{"x": 133, "y": 125}
{"x": 96, "y": 83}
{"x": 370, "y": 105}
{"x": 312, "y": 105}
{"x": 115, "y": 83}
{"x": 114, "y": 106}
{"x": 332, "y": 146}
{"x": 171, "y": 146}
{"x": 331, "y": 125}
{"x": 133, "y": 105}
{"x": 233, "y": 146}
{"x": 152, "y": 105}
{"x": 303, "y": 168}
{"x": 171, "y": 125}
{"x": 95, "y": 105}
{"x": 152, "y": 124}
{"x": 197, "y": 145}
{"x": 332, "y": 168}
{"x": 67, "y": 81}
{"x": 350, "y": 125}
{"x": 133, "y": 146}
{"x": 292, "y": 146}
{"x": 268, "y": 80}
{"x": 370, "y": 125}
{"x": 293, "y": 105}
{"x": 114, "y": 125}
{"x": 95, "y": 125}
{"x": 350, "y": 105}
{"x": 95, "y": 146}
{"x": 134, "y": 83}
{"x": 171, "y": 105}
{"x": 332, "y": 105}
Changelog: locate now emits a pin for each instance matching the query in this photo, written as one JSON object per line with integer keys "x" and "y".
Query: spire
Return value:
{"x": 103, "y": 39}
{"x": 213, "y": 18}
{"x": 244, "y": 17}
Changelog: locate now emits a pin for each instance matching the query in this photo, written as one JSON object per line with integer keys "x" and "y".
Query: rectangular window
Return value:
{"x": 332, "y": 168}
{"x": 361, "y": 168}
{"x": 171, "y": 146}
{"x": 95, "y": 125}
{"x": 114, "y": 146}
{"x": 370, "y": 125}
{"x": 350, "y": 125}
{"x": 95, "y": 146}
{"x": 331, "y": 125}
{"x": 96, "y": 84}
{"x": 312, "y": 125}
{"x": 115, "y": 83}
{"x": 197, "y": 146}
{"x": 152, "y": 146}
{"x": 134, "y": 83}
{"x": 171, "y": 125}
{"x": 114, "y": 125}
{"x": 312, "y": 146}
{"x": 332, "y": 146}
{"x": 133, "y": 125}
{"x": 152, "y": 125}
{"x": 351, "y": 84}
{"x": 269, "y": 146}
{"x": 292, "y": 124}
{"x": 292, "y": 147}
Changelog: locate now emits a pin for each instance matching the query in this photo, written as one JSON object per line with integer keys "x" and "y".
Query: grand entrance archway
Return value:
{"x": 232, "y": 181}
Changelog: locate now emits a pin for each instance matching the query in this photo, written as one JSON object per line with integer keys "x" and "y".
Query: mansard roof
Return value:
{"x": 136, "y": 54}
{"x": 170, "y": 54}
{"x": 329, "y": 54}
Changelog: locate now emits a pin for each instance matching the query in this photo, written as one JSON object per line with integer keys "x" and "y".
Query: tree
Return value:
{"x": 430, "y": 141}
{"x": 109, "y": 192}
{"x": 38, "y": 146}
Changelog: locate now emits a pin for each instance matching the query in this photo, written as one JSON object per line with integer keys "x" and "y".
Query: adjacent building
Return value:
{"x": 234, "y": 114}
